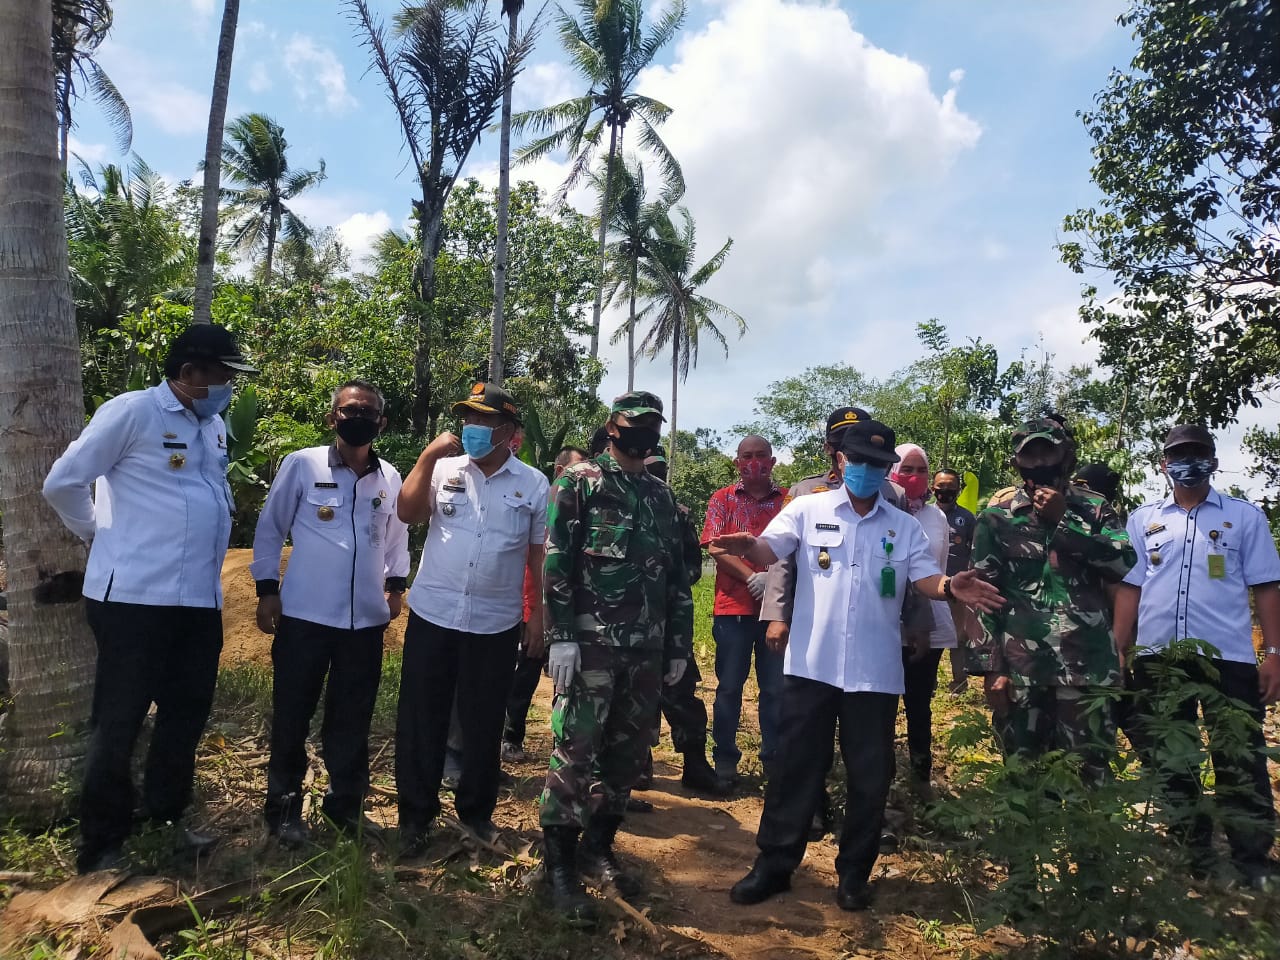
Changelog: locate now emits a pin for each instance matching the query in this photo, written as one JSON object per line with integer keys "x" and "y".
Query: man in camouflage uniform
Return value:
{"x": 619, "y": 624}
{"x": 1051, "y": 549}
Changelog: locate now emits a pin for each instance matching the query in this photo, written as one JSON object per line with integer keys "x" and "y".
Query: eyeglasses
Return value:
{"x": 352, "y": 411}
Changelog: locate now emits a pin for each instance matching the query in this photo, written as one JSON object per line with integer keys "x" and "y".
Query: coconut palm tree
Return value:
{"x": 208, "y": 239}
{"x": 41, "y": 410}
{"x": 678, "y": 313}
{"x": 511, "y": 10}
{"x": 607, "y": 45}
{"x": 253, "y": 157}
{"x": 633, "y": 221}
{"x": 79, "y": 27}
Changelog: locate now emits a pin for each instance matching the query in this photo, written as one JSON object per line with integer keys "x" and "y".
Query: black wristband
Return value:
{"x": 396, "y": 585}
{"x": 946, "y": 589}
{"x": 268, "y": 588}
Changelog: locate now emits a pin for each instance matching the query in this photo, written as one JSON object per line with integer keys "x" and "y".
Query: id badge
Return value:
{"x": 888, "y": 582}
{"x": 1217, "y": 566}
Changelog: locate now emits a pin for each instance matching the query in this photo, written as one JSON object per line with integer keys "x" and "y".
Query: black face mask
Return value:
{"x": 636, "y": 441}
{"x": 357, "y": 431}
{"x": 946, "y": 496}
{"x": 1045, "y": 475}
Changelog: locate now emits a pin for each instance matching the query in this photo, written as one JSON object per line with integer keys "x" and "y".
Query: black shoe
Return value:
{"x": 817, "y": 826}
{"x": 888, "y": 842}
{"x": 413, "y": 843}
{"x": 597, "y": 860}
{"x": 291, "y": 834}
{"x": 636, "y": 805}
{"x": 1260, "y": 875}
{"x": 361, "y": 828}
{"x": 700, "y": 777}
{"x": 505, "y": 779}
{"x": 853, "y": 895}
{"x": 759, "y": 885}
{"x": 195, "y": 844}
{"x": 485, "y": 830}
{"x": 109, "y": 858}
{"x": 560, "y": 857}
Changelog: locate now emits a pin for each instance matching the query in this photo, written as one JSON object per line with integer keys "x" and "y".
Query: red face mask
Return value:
{"x": 755, "y": 470}
{"x": 916, "y": 485}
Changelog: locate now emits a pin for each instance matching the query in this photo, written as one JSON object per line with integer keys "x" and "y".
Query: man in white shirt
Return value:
{"x": 1200, "y": 553}
{"x": 855, "y": 555}
{"x": 345, "y": 582}
{"x": 158, "y": 531}
{"x": 487, "y": 512}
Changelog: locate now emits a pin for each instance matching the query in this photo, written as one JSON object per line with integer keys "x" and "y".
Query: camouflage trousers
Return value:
{"x": 601, "y": 730}
{"x": 1075, "y": 719}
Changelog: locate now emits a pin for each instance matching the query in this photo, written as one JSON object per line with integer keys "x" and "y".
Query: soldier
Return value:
{"x": 619, "y": 624}
{"x": 946, "y": 491}
{"x": 1051, "y": 550}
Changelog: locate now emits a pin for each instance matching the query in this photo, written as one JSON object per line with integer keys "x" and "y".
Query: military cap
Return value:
{"x": 637, "y": 403}
{"x": 870, "y": 439}
{"x": 842, "y": 417}
{"x": 1042, "y": 428}
{"x": 490, "y": 398}
{"x": 659, "y": 455}
{"x": 209, "y": 342}
{"x": 1189, "y": 433}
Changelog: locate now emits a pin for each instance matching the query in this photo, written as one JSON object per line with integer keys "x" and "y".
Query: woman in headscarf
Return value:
{"x": 920, "y": 655}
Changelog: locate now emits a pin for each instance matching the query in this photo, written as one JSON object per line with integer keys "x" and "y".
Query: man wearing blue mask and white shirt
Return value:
{"x": 158, "y": 531}
{"x": 345, "y": 582}
{"x": 1200, "y": 553}
{"x": 488, "y": 516}
{"x": 855, "y": 555}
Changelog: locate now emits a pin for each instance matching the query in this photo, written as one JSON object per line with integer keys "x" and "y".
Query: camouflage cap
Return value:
{"x": 659, "y": 455}
{"x": 637, "y": 403}
{"x": 1042, "y": 428}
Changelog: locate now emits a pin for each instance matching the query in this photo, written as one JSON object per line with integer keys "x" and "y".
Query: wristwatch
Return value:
{"x": 1273, "y": 651}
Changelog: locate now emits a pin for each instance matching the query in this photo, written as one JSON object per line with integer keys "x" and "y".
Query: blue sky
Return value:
{"x": 877, "y": 163}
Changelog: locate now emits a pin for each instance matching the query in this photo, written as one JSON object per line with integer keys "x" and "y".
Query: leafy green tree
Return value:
{"x": 79, "y": 27}
{"x": 126, "y": 243}
{"x": 704, "y": 469}
{"x": 608, "y": 46}
{"x": 1187, "y": 156}
{"x": 254, "y": 160}
{"x": 678, "y": 313}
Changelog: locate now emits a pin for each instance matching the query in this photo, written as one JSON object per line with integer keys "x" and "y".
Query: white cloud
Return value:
{"x": 175, "y": 109}
{"x": 94, "y": 154}
{"x": 318, "y": 74}
{"x": 359, "y": 231}
{"x": 955, "y": 76}
{"x": 543, "y": 84}
{"x": 259, "y": 77}
{"x": 203, "y": 8}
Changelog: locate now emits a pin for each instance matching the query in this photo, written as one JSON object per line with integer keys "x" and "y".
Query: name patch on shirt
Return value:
{"x": 175, "y": 446}
{"x": 452, "y": 489}
{"x": 1155, "y": 528}
{"x": 326, "y": 485}
{"x": 828, "y": 526}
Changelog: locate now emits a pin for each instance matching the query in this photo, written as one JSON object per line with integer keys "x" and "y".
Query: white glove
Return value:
{"x": 755, "y": 584}
{"x": 675, "y": 672}
{"x": 563, "y": 663}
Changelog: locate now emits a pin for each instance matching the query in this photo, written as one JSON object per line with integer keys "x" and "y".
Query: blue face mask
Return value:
{"x": 863, "y": 479}
{"x": 1189, "y": 472}
{"x": 208, "y": 407}
{"x": 477, "y": 440}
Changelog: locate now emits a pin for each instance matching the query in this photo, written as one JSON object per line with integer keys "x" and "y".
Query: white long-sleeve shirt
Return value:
{"x": 160, "y": 522}
{"x": 347, "y": 539}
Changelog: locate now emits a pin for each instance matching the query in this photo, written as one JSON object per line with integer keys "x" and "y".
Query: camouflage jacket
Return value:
{"x": 692, "y": 545}
{"x": 615, "y": 569}
{"x": 1055, "y": 629}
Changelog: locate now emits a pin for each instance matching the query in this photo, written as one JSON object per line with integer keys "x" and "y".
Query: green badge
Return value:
{"x": 1217, "y": 566}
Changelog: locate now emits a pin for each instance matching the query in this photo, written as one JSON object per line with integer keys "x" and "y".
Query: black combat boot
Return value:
{"x": 598, "y": 860}
{"x": 700, "y": 777}
{"x": 559, "y": 857}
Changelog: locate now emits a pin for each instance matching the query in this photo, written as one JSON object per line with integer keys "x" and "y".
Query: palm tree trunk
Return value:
{"x": 41, "y": 411}
{"x": 422, "y": 414}
{"x": 64, "y": 121}
{"x": 272, "y": 228}
{"x": 213, "y": 164}
{"x": 604, "y": 221}
{"x": 675, "y": 380}
{"x": 631, "y": 329}
{"x": 497, "y": 341}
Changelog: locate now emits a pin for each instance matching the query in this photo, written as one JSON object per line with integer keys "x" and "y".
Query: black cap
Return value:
{"x": 1099, "y": 478}
{"x": 208, "y": 342}
{"x": 599, "y": 440}
{"x": 842, "y": 417}
{"x": 490, "y": 398}
{"x": 1189, "y": 433}
{"x": 870, "y": 439}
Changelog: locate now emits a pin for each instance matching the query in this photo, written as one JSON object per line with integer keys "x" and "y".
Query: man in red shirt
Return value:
{"x": 747, "y": 505}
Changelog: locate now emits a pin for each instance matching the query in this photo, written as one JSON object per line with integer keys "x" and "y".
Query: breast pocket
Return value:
{"x": 453, "y": 507}
{"x": 515, "y": 519}
{"x": 825, "y": 551}
{"x": 324, "y": 505}
{"x": 608, "y": 535}
{"x": 1159, "y": 554}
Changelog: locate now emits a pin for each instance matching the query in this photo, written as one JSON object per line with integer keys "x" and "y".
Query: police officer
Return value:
{"x": 158, "y": 531}
{"x": 1052, "y": 548}
{"x": 619, "y": 624}
{"x": 855, "y": 556}
{"x": 1200, "y": 555}
{"x": 345, "y": 582}
{"x": 487, "y": 513}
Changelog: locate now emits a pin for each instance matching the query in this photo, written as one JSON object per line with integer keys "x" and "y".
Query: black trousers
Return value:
{"x": 146, "y": 654}
{"x": 685, "y": 712}
{"x": 524, "y": 683}
{"x": 438, "y": 664}
{"x": 301, "y": 656}
{"x": 810, "y": 711}
{"x": 1242, "y": 790}
{"x": 920, "y": 682}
